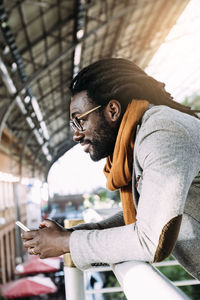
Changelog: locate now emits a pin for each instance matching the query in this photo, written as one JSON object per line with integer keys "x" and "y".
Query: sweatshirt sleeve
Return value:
{"x": 115, "y": 220}
{"x": 169, "y": 160}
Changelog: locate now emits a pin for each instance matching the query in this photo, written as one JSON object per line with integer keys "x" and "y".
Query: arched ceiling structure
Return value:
{"x": 43, "y": 44}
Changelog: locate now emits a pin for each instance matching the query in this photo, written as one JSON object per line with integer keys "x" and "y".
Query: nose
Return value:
{"x": 78, "y": 135}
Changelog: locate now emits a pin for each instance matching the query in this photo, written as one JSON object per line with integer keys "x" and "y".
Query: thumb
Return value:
{"x": 46, "y": 223}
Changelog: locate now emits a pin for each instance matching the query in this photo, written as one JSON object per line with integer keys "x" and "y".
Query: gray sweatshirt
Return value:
{"x": 166, "y": 166}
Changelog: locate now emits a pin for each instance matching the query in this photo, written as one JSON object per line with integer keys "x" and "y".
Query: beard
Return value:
{"x": 103, "y": 141}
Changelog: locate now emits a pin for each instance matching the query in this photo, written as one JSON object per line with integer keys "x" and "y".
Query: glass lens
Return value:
{"x": 71, "y": 123}
{"x": 75, "y": 124}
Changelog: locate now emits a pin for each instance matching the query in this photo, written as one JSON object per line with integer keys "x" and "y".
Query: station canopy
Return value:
{"x": 44, "y": 43}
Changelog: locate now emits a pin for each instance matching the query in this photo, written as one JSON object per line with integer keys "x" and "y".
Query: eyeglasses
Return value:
{"x": 75, "y": 122}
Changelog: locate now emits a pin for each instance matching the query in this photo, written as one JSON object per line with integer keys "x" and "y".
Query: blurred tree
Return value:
{"x": 177, "y": 273}
{"x": 192, "y": 101}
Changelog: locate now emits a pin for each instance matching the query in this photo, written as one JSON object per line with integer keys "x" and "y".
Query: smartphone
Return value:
{"x": 22, "y": 226}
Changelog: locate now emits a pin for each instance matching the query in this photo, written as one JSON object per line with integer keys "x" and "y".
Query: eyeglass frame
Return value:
{"x": 74, "y": 123}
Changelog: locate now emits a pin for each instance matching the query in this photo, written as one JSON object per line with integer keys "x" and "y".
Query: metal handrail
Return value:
{"x": 168, "y": 290}
{"x": 138, "y": 280}
{"x": 143, "y": 281}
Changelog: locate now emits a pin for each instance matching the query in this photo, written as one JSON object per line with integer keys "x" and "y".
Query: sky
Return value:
{"x": 177, "y": 64}
{"x": 76, "y": 173}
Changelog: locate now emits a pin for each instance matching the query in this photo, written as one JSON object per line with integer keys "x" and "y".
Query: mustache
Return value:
{"x": 85, "y": 141}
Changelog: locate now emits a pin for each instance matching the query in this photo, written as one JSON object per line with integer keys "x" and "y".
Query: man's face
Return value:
{"x": 98, "y": 135}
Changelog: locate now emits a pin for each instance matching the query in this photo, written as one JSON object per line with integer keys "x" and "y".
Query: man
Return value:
{"x": 152, "y": 145}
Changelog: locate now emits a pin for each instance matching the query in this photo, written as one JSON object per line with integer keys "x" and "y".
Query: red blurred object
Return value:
{"x": 28, "y": 286}
{"x": 45, "y": 216}
{"x": 35, "y": 265}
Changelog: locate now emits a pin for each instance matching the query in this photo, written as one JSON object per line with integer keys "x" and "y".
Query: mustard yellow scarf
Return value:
{"x": 118, "y": 171}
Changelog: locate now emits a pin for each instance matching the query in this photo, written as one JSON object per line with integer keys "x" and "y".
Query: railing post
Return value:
{"x": 140, "y": 280}
{"x": 74, "y": 278}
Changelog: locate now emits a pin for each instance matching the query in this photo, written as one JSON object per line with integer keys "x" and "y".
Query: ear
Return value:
{"x": 113, "y": 110}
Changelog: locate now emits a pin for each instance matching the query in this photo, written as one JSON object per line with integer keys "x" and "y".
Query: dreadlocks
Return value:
{"x": 120, "y": 79}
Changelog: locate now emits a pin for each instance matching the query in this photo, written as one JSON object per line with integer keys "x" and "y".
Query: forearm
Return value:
{"x": 110, "y": 246}
{"x": 114, "y": 221}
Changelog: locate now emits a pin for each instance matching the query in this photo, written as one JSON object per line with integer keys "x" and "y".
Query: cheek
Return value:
{"x": 91, "y": 126}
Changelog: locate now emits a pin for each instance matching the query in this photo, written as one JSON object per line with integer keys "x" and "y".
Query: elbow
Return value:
{"x": 167, "y": 239}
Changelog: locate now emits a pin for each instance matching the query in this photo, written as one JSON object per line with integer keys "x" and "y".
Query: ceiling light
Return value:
{"x": 38, "y": 136}
{"x": 14, "y": 67}
{"x": 27, "y": 99}
{"x": 21, "y": 105}
{"x": 46, "y": 151}
{"x": 79, "y": 34}
{"x": 30, "y": 122}
{"x": 36, "y": 109}
{"x": 7, "y": 79}
{"x": 40, "y": 117}
{"x": 3, "y": 24}
{"x": 45, "y": 130}
{"x": 49, "y": 157}
{"x": 6, "y": 50}
{"x": 77, "y": 54}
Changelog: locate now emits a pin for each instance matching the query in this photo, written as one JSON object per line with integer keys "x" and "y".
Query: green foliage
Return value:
{"x": 115, "y": 296}
{"x": 192, "y": 101}
{"x": 102, "y": 198}
{"x": 111, "y": 281}
{"x": 177, "y": 273}
{"x": 105, "y": 194}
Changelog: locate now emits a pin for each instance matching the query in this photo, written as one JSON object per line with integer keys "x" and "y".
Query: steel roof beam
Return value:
{"x": 58, "y": 26}
{"x": 58, "y": 115}
{"x": 53, "y": 62}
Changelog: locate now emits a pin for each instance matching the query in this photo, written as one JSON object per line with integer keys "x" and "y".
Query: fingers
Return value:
{"x": 32, "y": 251}
{"x": 49, "y": 241}
{"x": 30, "y": 243}
{"x": 47, "y": 223}
{"x": 29, "y": 234}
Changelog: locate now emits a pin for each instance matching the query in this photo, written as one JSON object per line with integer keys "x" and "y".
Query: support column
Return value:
{"x": 19, "y": 248}
{"x": 74, "y": 278}
{"x": 2, "y": 258}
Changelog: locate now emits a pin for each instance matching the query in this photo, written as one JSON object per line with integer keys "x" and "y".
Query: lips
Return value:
{"x": 85, "y": 143}
{"x": 86, "y": 147}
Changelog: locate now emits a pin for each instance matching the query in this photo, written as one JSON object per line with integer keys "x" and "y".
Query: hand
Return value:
{"x": 49, "y": 240}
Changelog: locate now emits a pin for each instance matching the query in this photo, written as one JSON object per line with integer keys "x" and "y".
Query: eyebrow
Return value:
{"x": 75, "y": 113}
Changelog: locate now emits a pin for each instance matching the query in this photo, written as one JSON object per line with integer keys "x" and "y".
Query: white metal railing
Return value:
{"x": 138, "y": 280}
{"x": 100, "y": 289}
{"x": 74, "y": 283}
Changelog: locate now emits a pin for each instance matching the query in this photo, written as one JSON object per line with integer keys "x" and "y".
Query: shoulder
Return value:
{"x": 162, "y": 113}
{"x": 165, "y": 131}
{"x": 165, "y": 119}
